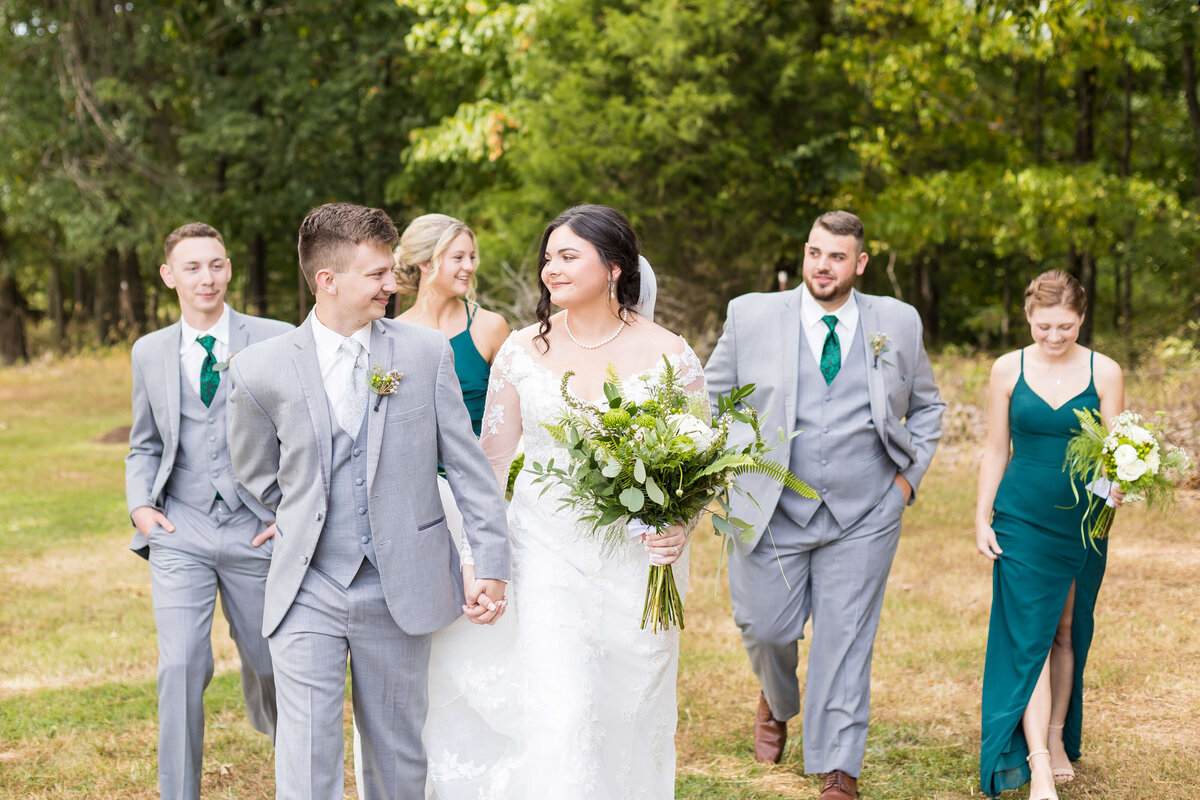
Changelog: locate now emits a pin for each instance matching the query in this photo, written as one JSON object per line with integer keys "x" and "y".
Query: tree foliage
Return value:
{"x": 982, "y": 142}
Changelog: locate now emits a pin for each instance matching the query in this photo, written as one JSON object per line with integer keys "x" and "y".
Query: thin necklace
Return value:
{"x": 615, "y": 334}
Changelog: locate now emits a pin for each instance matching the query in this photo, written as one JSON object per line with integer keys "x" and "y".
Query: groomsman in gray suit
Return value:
{"x": 849, "y": 372}
{"x": 200, "y": 530}
{"x": 364, "y": 567}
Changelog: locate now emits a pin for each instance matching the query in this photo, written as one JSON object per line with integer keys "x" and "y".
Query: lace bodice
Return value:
{"x": 523, "y": 396}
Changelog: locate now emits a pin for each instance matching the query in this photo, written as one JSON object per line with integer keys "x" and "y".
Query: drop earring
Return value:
{"x": 612, "y": 292}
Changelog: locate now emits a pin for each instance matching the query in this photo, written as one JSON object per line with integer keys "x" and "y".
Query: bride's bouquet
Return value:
{"x": 644, "y": 466}
{"x": 1128, "y": 455}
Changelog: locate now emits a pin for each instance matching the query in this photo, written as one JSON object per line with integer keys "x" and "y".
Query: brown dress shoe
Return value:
{"x": 839, "y": 786}
{"x": 770, "y": 734}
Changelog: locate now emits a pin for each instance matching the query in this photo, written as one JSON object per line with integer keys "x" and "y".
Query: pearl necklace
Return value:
{"x": 616, "y": 333}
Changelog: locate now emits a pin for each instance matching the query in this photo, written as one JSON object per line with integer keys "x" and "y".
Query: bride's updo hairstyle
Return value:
{"x": 610, "y": 233}
{"x": 1055, "y": 288}
{"x": 425, "y": 241}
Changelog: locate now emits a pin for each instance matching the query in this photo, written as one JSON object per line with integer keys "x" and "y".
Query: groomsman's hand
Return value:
{"x": 905, "y": 487}
{"x": 269, "y": 533}
{"x": 146, "y": 518}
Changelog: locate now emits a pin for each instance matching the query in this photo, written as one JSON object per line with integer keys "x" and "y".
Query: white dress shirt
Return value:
{"x": 816, "y": 331}
{"x": 336, "y": 364}
{"x": 192, "y": 353}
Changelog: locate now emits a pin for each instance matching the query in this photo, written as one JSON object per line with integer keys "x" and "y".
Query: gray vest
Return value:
{"x": 346, "y": 538}
{"x": 202, "y": 468}
{"x": 839, "y": 452}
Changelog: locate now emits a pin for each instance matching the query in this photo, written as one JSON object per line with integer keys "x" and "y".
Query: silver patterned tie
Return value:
{"x": 355, "y": 403}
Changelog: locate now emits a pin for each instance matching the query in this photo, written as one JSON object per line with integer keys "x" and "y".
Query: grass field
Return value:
{"x": 77, "y": 661}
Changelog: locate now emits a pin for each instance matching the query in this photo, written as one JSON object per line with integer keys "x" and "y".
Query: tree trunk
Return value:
{"x": 1085, "y": 150}
{"x": 1006, "y": 299}
{"x": 1123, "y": 307}
{"x": 106, "y": 312}
{"x": 1188, "y": 60}
{"x": 257, "y": 288}
{"x": 927, "y": 296}
{"x": 81, "y": 308}
{"x": 1039, "y": 133}
{"x": 14, "y": 346}
{"x": 55, "y": 302}
{"x": 133, "y": 293}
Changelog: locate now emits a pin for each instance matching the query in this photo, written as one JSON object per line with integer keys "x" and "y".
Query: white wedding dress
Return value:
{"x": 566, "y": 697}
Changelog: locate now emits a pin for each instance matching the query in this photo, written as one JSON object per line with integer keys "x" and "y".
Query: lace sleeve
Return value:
{"x": 501, "y": 434}
{"x": 691, "y": 375}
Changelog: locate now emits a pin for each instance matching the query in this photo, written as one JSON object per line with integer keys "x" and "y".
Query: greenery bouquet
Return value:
{"x": 1126, "y": 454}
{"x": 646, "y": 466}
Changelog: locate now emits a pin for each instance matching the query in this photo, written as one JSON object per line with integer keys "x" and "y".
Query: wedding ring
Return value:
{"x": 676, "y": 549}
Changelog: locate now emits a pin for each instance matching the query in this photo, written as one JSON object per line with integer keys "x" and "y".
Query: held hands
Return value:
{"x": 985, "y": 541}
{"x": 146, "y": 519}
{"x": 667, "y": 548}
{"x": 485, "y": 597}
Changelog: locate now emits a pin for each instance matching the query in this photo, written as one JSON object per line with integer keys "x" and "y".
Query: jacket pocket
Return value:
{"x": 429, "y": 525}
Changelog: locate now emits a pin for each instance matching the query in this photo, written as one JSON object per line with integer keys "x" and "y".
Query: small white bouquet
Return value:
{"x": 1128, "y": 455}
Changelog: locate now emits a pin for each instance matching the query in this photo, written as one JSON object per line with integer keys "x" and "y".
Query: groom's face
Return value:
{"x": 831, "y": 263}
{"x": 361, "y": 291}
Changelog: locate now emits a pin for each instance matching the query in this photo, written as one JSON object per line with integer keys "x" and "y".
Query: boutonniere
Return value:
{"x": 382, "y": 383}
{"x": 221, "y": 366}
{"x": 879, "y": 345}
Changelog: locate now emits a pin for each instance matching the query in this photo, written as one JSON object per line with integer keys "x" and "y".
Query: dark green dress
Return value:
{"x": 472, "y": 370}
{"x": 1037, "y": 523}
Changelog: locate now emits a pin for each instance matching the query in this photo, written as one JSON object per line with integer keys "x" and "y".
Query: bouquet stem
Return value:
{"x": 663, "y": 603}
{"x": 1102, "y": 525}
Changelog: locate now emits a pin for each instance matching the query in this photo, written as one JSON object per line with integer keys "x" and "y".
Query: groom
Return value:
{"x": 363, "y": 564}
{"x": 849, "y": 372}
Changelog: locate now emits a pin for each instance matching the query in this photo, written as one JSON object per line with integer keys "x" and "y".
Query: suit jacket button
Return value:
{"x": 318, "y": 516}
{"x": 304, "y": 560}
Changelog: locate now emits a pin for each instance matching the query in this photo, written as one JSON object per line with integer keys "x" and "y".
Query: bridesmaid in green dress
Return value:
{"x": 1044, "y": 578}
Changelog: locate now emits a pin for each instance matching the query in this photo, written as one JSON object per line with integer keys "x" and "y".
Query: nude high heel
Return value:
{"x": 1053, "y": 794}
{"x": 1062, "y": 774}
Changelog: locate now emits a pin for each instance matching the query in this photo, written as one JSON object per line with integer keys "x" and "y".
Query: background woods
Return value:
{"x": 982, "y": 142}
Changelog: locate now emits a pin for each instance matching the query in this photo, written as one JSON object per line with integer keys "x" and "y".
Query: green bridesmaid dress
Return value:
{"x": 1037, "y": 523}
{"x": 472, "y": 370}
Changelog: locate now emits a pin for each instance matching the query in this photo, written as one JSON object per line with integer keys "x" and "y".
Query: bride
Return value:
{"x": 583, "y": 705}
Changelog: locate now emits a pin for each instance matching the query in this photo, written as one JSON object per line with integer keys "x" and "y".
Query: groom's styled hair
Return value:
{"x": 330, "y": 234}
{"x": 842, "y": 223}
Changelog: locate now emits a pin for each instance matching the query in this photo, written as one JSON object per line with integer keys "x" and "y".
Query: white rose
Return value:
{"x": 1153, "y": 461}
{"x": 1140, "y": 435}
{"x": 1125, "y": 455}
{"x": 693, "y": 428}
{"x": 1132, "y": 471}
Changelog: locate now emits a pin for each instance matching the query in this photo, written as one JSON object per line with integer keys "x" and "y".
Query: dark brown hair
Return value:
{"x": 1055, "y": 288}
{"x": 842, "y": 223}
{"x": 330, "y": 234}
{"x": 610, "y": 232}
{"x": 192, "y": 230}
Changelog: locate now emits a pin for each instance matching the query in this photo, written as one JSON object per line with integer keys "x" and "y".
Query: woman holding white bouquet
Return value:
{"x": 1028, "y": 518}
{"x": 598, "y": 706}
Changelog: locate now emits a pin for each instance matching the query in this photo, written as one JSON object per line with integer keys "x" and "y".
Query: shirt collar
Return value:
{"x": 811, "y": 311}
{"x": 220, "y": 331}
{"x": 330, "y": 340}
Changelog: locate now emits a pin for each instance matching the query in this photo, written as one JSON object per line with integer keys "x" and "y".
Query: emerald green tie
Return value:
{"x": 209, "y": 377}
{"x": 831, "y": 352}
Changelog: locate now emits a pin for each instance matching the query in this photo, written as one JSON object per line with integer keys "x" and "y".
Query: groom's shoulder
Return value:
{"x": 263, "y": 327}
{"x": 412, "y": 335}
{"x": 271, "y": 348}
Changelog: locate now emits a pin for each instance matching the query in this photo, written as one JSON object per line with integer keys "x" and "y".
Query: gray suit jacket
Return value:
{"x": 760, "y": 344}
{"x": 282, "y": 443}
{"x": 154, "y": 435}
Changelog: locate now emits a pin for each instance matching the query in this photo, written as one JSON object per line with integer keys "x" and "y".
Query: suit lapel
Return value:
{"x": 239, "y": 335}
{"x": 309, "y": 370}
{"x": 381, "y": 354}
{"x": 790, "y": 351}
{"x": 171, "y": 379}
{"x": 868, "y": 323}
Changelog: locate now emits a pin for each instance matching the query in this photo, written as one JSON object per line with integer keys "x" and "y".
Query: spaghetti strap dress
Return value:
{"x": 472, "y": 370}
{"x": 1037, "y": 521}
